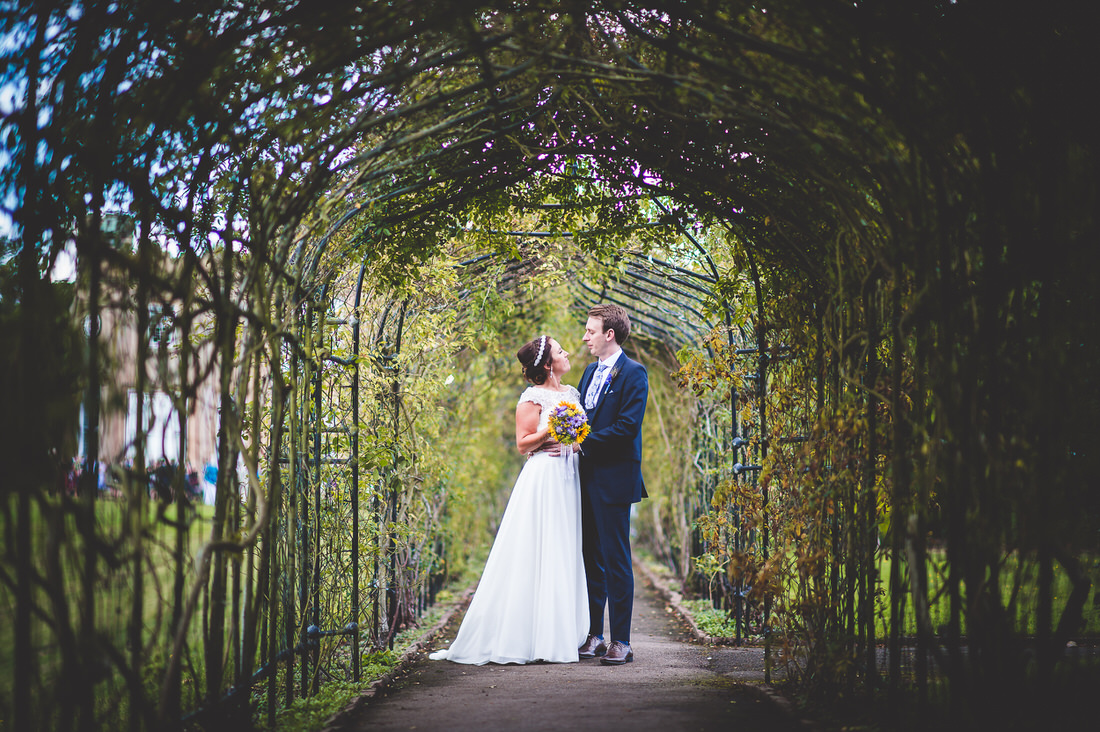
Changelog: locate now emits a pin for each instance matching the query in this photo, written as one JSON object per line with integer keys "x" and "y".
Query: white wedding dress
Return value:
{"x": 532, "y": 603}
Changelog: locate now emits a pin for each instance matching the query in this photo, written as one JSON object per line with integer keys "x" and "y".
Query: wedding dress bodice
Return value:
{"x": 548, "y": 399}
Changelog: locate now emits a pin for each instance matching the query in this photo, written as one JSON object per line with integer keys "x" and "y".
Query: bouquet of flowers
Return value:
{"x": 568, "y": 424}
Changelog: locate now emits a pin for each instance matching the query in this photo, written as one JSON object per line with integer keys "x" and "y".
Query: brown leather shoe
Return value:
{"x": 618, "y": 653}
{"x": 592, "y": 647}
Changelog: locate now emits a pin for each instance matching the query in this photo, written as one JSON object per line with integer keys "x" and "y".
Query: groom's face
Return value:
{"x": 597, "y": 339}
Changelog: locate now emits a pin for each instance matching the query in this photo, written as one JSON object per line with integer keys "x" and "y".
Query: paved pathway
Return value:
{"x": 675, "y": 683}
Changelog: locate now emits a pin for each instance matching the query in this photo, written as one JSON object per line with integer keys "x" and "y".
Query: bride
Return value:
{"x": 531, "y": 603}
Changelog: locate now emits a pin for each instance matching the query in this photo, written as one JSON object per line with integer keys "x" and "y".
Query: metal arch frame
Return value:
{"x": 304, "y": 570}
{"x": 666, "y": 302}
{"x": 392, "y": 315}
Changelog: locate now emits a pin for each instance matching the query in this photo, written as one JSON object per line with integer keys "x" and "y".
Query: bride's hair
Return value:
{"x": 533, "y": 357}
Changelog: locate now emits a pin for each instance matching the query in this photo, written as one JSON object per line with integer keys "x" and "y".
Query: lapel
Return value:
{"x": 586, "y": 379}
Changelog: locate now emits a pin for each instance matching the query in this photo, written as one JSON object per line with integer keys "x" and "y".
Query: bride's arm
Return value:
{"x": 529, "y": 438}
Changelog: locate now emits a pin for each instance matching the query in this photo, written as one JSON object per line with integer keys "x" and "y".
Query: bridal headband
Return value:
{"x": 542, "y": 347}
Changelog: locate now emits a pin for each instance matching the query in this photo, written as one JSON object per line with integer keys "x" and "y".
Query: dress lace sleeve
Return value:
{"x": 532, "y": 394}
{"x": 543, "y": 398}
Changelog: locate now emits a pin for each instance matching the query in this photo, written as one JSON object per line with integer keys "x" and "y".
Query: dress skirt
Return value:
{"x": 531, "y": 603}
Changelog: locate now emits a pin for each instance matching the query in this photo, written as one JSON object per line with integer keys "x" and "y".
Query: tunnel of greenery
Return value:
{"x": 857, "y": 241}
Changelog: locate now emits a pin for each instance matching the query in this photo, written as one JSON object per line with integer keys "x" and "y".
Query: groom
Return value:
{"x": 615, "y": 391}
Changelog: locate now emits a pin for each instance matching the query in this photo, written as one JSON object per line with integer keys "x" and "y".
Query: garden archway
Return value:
{"x": 755, "y": 173}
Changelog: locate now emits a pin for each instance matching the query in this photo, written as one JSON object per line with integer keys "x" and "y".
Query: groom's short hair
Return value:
{"x": 614, "y": 318}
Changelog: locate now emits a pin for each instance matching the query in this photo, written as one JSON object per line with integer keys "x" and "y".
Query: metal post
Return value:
{"x": 355, "y": 478}
{"x": 762, "y": 408}
{"x": 315, "y": 594}
{"x": 293, "y": 524}
{"x": 303, "y": 516}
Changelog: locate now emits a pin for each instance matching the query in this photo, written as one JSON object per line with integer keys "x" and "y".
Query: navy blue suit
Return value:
{"x": 611, "y": 480}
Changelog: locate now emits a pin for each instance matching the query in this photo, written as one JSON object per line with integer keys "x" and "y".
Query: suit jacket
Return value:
{"x": 611, "y": 455}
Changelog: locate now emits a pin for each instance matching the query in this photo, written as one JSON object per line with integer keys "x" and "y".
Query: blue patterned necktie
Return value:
{"x": 594, "y": 387}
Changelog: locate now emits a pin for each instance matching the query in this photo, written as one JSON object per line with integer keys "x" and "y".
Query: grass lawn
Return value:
{"x": 1021, "y": 601}
{"x": 113, "y": 594}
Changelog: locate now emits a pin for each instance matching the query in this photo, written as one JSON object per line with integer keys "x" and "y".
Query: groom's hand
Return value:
{"x": 550, "y": 447}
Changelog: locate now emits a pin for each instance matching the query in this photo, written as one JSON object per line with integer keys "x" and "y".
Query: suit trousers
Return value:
{"x": 605, "y": 530}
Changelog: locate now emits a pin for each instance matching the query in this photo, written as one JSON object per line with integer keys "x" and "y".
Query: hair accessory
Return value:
{"x": 542, "y": 347}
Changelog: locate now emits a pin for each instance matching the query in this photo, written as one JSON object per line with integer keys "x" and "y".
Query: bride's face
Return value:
{"x": 559, "y": 358}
